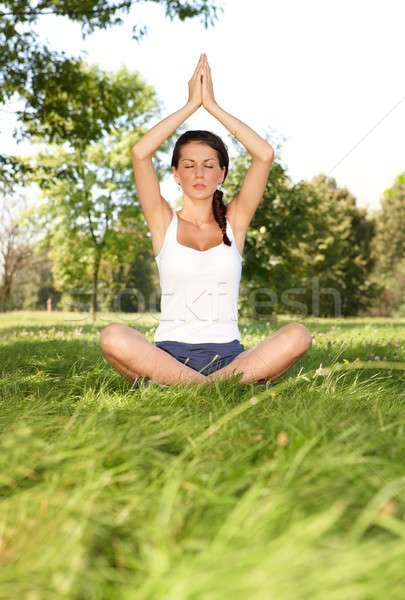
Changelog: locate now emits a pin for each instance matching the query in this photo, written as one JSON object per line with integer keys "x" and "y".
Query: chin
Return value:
{"x": 201, "y": 193}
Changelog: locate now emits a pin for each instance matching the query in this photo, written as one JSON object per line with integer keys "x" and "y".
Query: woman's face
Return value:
{"x": 199, "y": 172}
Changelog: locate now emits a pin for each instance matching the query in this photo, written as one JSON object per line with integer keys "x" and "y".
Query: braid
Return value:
{"x": 219, "y": 210}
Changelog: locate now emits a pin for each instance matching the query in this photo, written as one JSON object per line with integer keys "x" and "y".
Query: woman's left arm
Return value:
{"x": 254, "y": 182}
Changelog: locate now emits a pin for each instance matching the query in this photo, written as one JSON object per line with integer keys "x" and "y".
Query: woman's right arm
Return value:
{"x": 146, "y": 179}
{"x": 154, "y": 138}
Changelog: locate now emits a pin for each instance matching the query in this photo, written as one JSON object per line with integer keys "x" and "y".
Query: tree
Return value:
{"x": 270, "y": 265}
{"x": 388, "y": 248}
{"x": 131, "y": 286}
{"x": 308, "y": 240}
{"x": 337, "y": 253}
{"x": 45, "y": 81}
{"x": 91, "y": 211}
{"x": 16, "y": 247}
{"x": 389, "y": 243}
{"x": 33, "y": 283}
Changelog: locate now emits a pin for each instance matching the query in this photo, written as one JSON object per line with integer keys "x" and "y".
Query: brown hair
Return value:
{"x": 215, "y": 142}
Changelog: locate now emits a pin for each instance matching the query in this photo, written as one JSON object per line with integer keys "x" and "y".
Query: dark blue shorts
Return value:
{"x": 205, "y": 358}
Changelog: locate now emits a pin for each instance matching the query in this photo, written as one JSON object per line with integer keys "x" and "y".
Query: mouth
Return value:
{"x": 199, "y": 186}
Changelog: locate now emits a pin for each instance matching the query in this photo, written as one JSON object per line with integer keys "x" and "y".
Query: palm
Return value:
{"x": 207, "y": 86}
{"x": 195, "y": 85}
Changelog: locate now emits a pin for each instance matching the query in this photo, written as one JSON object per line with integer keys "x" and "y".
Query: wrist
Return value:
{"x": 193, "y": 106}
{"x": 211, "y": 107}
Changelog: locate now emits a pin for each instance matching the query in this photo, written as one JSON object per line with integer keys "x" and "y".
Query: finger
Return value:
{"x": 198, "y": 66}
{"x": 196, "y": 75}
{"x": 206, "y": 68}
{"x": 207, "y": 74}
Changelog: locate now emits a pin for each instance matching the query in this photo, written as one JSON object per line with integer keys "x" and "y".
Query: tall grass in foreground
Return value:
{"x": 224, "y": 491}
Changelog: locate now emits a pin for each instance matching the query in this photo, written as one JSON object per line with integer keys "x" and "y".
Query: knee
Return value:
{"x": 110, "y": 335}
{"x": 300, "y": 336}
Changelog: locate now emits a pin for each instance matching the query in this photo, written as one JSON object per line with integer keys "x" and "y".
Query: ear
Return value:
{"x": 174, "y": 171}
{"x": 222, "y": 176}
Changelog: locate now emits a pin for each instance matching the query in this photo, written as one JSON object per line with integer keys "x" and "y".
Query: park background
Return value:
{"x": 320, "y": 81}
{"x": 132, "y": 490}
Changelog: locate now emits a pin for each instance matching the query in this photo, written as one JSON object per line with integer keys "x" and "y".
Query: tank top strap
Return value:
{"x": 172, "y": 229}
{"x": 171, "y": 233}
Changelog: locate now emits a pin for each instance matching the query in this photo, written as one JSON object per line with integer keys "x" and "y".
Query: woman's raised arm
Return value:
{"x": 155, "y": 208}
{"x": 245, "y": 203}
{"x": 154, "y": 138}
{"x": 254, "y": 144}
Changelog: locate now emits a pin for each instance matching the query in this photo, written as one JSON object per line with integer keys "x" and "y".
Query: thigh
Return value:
{"x": 120, "y": 340}
{"x": 275, "y": 354}
{"x": 133, "y": 355}
{"x": 115, "y": 332}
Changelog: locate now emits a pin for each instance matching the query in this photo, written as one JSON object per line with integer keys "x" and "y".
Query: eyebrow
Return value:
{"x": 205, "y": 159}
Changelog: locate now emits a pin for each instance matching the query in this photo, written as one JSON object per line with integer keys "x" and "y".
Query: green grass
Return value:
{"x": 216, "y": 492}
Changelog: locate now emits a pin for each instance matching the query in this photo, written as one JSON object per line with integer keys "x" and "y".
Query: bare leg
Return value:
{"x": 130, "y": 353}
{"x": 270, "y": 358}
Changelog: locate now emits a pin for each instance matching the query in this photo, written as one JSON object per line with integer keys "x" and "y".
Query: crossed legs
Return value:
{"x": 130, "y": 353}
{"x": 133, "y": 356}
{"x": 270, "y": 358}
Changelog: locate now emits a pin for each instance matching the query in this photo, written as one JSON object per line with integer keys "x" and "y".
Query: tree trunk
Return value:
{"x": 5, "y": 290}
{"x": 93, "y": 304}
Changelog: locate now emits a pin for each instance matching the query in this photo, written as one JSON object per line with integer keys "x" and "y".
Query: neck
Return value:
{"x": 198, "y": 214}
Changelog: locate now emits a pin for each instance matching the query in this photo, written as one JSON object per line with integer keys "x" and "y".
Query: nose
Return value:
{"x": 199, "y": 170}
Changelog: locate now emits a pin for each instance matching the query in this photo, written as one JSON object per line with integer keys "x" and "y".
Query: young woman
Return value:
{"x": 198, "y": 250}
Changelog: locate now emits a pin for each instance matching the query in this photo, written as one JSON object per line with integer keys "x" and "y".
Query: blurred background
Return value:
{"x": 82, "y": 81}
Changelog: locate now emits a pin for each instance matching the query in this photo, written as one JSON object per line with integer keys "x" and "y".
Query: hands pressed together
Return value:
{"x": 200, "y": 88}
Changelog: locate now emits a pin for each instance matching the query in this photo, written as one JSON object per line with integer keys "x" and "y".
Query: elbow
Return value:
{"x": 268, "y": 154}
{"x": 137, "y": 153}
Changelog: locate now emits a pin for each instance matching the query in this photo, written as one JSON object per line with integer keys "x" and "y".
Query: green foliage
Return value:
{"x": 389, "y": 247}
{"x": 337, "y": 251}
{"x": 390, "y": 230}
{"x": 57, "y": 96}
{"x": 16, "y": 247}
{"x": 131, "y": 286}
{"x": 392, "y": 299}
{"x": 91, "y": 213}
{"x": 34, "y": 284}
{"x": 279, "y": 222}
{"x": 90, "y": 108}
{"x": 306, "y": 242}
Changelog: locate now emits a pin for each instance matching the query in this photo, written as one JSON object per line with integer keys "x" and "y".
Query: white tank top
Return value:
{"x": 200, "y": 290}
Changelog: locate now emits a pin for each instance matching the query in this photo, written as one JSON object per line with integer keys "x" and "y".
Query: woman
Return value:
{"x": 198, "y": 252}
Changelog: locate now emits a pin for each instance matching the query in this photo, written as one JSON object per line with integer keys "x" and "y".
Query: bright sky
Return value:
{"x": 322, "y": 78}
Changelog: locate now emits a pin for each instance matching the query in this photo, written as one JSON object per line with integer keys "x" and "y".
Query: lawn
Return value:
{"x": 216, "y": 492}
